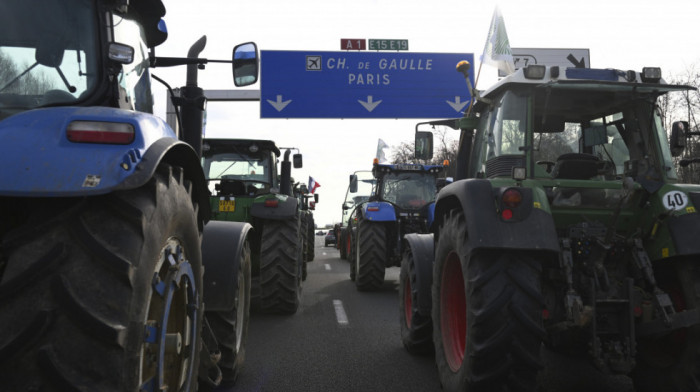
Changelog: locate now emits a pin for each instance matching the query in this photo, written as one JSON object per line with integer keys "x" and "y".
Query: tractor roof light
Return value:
{"x": 651, "y": 74}
{"x": 519, "y": 173}
{"x": 446, "y": 163}
{"x": 253, "y": 148}
{"x": 100, "y": 132}
{"x": 534, "y": 71}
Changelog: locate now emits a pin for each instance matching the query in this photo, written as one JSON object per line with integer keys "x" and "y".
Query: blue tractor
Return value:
{"x": 104, "y": 233}
{"x": 402, "y": 202}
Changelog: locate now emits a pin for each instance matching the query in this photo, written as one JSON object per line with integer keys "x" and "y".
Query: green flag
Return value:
{"x": 497, "y": 49}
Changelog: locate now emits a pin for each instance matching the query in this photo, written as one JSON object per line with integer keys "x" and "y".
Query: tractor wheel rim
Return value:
{"x": 240, "y": 306}
{"x": 171, "y": 325}
{"x": 453, "y": 311}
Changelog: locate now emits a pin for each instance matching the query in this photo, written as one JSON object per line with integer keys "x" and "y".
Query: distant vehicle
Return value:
{"x": 330, "y": 238}
{"x": 321, "y": 232}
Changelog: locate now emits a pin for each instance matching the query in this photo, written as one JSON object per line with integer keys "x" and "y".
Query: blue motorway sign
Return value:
{"x": 308, "y": 84}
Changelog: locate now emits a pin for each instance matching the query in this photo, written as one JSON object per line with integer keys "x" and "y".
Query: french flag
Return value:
{"x": 313, "y": 185}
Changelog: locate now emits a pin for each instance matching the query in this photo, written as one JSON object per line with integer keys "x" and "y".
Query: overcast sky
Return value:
{"x": 619, "y": 34}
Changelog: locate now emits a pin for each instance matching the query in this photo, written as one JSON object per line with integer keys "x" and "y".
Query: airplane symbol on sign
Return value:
{"x": 313, "y": 63}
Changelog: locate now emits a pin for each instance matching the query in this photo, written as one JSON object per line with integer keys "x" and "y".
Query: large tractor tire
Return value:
{"x": 672, "y": 362}
{"x": 103, "y": 293}
{"x": 280, "y": 266}
{"x": 342, "y": 244}
{"x": 487, "y": 315}
{"x": 304, "y": 243}
{"x": 370, "y": 256}
{"x": 351, "y": 254}
{"x": 416, "y": 328}
{"x": 310, "y": 239}
{"x": 231, "y": 328}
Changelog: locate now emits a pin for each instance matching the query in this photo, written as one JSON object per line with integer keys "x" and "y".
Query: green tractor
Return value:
{"x": 566, "y": 226}
{"x": 246, "y": 187}
{"x": 307, "y": 206}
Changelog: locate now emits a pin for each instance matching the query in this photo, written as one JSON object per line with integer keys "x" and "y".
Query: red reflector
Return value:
{"x": 272, "y": 203}
{"x": 507, "y": 214}
{"x": 373, "y": 208}
{"x": 637, "y": 311}
{"x": 511, "y": 198}
{"x": 100, "y": 132}
{"x": 545, "y": 314}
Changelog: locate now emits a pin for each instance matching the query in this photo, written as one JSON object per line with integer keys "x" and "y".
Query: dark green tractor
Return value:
{"x": 245, "y": 186}
{"x": 566, "y": 227}
{"x": 307, "y": 206}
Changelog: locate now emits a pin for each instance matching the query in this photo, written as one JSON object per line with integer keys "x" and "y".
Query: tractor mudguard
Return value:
{"x": 475, "y": 197}
{"x": 422, "y": 248}
{"x": 222, "y": 244}
{"x": 684, "y": 232}
{"x": 378, "y": 211}
{"x": 286, "y": 208}
{"x": 41, "y": 161}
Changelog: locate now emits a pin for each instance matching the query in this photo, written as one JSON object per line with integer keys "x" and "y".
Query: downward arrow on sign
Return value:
{"x": 279, "y": 105}
{"x": 457, "y": 105}
{"x": 575, "y": 62}
{"x": 370, "y": 104}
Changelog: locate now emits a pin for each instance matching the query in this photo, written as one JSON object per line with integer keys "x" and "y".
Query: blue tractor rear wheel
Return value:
{"x": 105, "y": 295}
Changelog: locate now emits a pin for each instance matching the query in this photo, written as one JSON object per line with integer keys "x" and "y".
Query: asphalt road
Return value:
{"x": 344, "y": 340}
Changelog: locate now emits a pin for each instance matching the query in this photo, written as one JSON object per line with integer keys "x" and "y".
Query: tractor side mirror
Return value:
{"x": 245, "y": 64}
{"x": 296, "y": 158}
{"x": 353, "y": 183}
{"x": 679, "y": 131}
{"x": 424, "y": 145}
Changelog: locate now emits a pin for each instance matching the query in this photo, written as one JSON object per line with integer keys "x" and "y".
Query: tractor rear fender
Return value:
{"x": 222, "y": 244}
{"x": 531, "y": 228}
{"x": 284, "y": 208}
{"x": 378, "y": 211}
{"x": 175, "y": 153}
{"x": 421, "y": 247}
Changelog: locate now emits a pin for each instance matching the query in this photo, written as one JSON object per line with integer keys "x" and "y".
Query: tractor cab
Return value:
{"x": 240, "y": 167}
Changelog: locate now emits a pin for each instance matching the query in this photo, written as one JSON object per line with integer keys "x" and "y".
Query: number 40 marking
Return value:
{"x": 675, "y": 200}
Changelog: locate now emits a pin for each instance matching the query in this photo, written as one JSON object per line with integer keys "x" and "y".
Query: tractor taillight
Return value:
{"x": 100, "y": 132}
{"x": 271, "y": 203}
{"x": 511, "y": 198}
{"x": 507, "y": 214}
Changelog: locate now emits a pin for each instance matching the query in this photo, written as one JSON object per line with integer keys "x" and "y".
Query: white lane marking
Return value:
{"x": 328, "y": 267}
{"x": 340, "y": 312}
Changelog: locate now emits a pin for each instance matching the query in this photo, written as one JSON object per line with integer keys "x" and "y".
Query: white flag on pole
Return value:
{"x": 497, "y": 50}
{"x": 381, "y": 145}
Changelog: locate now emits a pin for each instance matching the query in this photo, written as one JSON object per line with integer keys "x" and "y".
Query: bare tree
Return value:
{"x": 445, "y": 149}
{"x": 684, "y": 105}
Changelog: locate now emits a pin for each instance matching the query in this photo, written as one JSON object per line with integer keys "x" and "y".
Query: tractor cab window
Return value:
{"x": 255, "y": 170}
{"x": 593, "y": 149}
{"x": 408, "y": 190}
{"x": 48, "y": 53}
{"x": 501, "y": 145}
{"x": 134, "y": 79}
{"x": 600, "y": 134}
